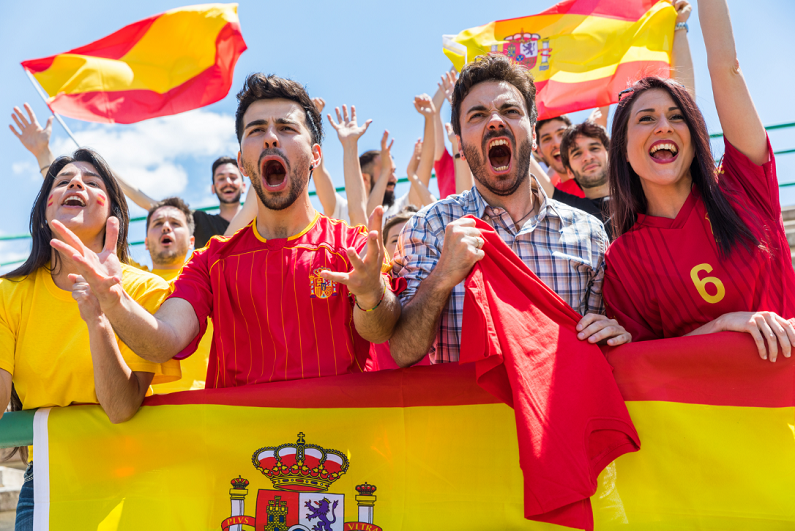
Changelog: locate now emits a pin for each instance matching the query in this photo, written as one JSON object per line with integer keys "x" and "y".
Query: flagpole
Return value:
{"x": 44, "y": 99}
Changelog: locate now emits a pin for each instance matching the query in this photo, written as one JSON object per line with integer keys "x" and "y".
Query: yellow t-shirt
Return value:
{"x": 44, "y": 343}
{"x": 194, "y": 368}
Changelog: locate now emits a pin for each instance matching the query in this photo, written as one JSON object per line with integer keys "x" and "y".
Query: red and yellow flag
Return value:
{"x": 425, "y": 448}
{"x": 166, "y": 64}
{"x": 582, "y": 53}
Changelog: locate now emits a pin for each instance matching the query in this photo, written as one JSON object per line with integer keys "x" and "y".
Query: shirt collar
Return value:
{"x": 477, "y": 205}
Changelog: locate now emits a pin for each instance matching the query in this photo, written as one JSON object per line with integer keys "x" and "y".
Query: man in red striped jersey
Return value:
{"x": 292, "y": 295}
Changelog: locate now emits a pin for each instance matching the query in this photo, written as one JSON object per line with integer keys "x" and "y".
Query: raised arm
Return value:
{"x": 444, "y": 91}
{"x": 738, "y": 117}
{"x": 425, "y": 107}
{"x": 463, "y": 174}
{"x": 156, "y": 338}
{"x": 245, "y": 215}
{"x": 348, "y": 131}
{"x": 377, "y": 193}
{"x": 681, "y": 58}
{"x": 323, "y": 183}
{"x": 36, "y": 139}
{"x": 419, "y": 194}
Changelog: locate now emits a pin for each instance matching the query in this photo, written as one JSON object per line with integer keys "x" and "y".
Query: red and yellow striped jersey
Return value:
{"x": 274, "y": 318}
{"x": 665, "y": 277}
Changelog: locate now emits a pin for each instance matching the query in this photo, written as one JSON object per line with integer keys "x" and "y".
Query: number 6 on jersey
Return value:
{"x": 701, "y": 284}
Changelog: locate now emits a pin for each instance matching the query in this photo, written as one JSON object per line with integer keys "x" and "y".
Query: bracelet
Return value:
{"x": 374, "y": 307}
{"x": 682, "y": 25}
{"x": 44, "y": 168}
{"x": 457, "y": 156}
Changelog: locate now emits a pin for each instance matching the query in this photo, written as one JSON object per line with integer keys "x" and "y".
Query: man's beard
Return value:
{"x": 167, "y": 257}
{"x": 521, "y": 168}
{"x": 591, "y": 182}
{"x": 235, "y": 199}
{"x": 389, "y": 198}
{"x": 298, "y": 180}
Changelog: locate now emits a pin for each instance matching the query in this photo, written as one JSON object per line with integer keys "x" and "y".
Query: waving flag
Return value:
{"x": 425, "y": 448}
{"x": 166, "y": 64}
{"x": 582, "y": 53}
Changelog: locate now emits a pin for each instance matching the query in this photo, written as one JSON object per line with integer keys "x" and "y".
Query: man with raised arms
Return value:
{"x": 292, "y": 295}
{"x": 493, "y": 114}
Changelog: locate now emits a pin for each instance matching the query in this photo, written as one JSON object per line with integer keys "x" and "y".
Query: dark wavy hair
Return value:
{"x": 41, "y": 252}
{"x": 493, "y": 67}
{"x": 268, "y": 87}
{"x": 627, "y": 197}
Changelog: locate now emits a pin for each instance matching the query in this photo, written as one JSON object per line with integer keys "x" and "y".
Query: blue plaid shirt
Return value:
{"x": 563, "y": 246}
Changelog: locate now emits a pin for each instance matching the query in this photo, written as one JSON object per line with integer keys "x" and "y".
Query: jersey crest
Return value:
{"x": 320, "y": 288}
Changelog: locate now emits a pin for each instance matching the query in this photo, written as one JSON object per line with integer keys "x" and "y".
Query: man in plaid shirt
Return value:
{"x": 493, "y": 115}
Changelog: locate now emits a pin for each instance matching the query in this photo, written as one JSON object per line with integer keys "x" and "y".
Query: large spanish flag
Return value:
{"x": 425, "y": 448}
{"x": 166, "y": 64}
{"x": 582, "y": 53}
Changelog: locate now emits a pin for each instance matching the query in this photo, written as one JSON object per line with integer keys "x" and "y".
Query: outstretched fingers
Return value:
{"x": 111, "y": 234}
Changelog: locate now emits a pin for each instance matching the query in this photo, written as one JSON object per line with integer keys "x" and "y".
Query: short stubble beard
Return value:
{"x": 591, "y": 182}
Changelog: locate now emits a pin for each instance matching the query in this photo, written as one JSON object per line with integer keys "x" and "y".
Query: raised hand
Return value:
{"x": 447, "y": 84}
{"x": 365, "y": 281}
{"x": 424, "y": 105}
{"x": 683, "y": 10}
{"x": 102, "y": 271}
{"x": 320, "y": 104}
{"x": 347, "y": 129}
{"x": 35, "y": 138}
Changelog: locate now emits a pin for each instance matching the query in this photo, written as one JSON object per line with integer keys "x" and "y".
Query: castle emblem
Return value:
{"x": 301, "y": 475}
{"x": 523, "y": 48}
{"x": 320, "y": 288}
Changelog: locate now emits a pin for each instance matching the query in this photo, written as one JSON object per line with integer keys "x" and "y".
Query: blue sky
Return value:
{"x": 376, "y": 55}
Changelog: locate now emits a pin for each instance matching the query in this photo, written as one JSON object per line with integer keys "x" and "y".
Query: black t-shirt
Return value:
{"x": 207, "y": 226}
{"x": 599, "y": 208}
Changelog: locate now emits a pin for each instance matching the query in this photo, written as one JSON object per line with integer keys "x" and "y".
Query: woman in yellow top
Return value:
{"x": 56, "y": 345}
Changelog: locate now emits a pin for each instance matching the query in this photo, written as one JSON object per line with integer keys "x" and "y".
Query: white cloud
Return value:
{"x": 26, "y": 168}
{"x": 147, "y": 153}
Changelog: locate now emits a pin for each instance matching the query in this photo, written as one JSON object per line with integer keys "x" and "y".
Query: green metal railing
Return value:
{"x": 403, "y": 180}
{"x": 16, "y": 429}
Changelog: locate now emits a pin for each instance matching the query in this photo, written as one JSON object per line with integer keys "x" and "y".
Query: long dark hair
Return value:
{"x": 627, "y": 197}
{"x": 41, "y": 252}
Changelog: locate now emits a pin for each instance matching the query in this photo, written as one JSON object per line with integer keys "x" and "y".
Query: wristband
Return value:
{"x": 682, "y": 25}
{"x": 374, "y": 307}
{"x": 44, "y": 167}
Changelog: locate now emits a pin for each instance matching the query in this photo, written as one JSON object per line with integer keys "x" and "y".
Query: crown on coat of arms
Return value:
{"x": 239, "y": 483}
{"x": 365, "y": 489}
{"x": 300, "y": 466}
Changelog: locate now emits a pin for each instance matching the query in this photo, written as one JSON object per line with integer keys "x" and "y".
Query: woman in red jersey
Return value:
{"x": 698, "y": 250}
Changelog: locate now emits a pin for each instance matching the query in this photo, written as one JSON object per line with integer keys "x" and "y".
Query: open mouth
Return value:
{"x": 74, "y": 201}
{"x": 664, "y": 151}
{"x": 166, "y": 240}
{"x": 500, "y": 155}
{"x": 274, "y": 173}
